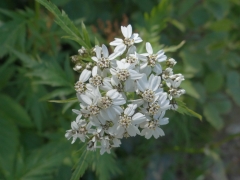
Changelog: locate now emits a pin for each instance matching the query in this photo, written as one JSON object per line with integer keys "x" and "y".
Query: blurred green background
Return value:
{"x": 35, "y": 67}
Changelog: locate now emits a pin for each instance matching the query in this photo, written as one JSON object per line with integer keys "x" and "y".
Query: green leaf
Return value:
{"x": 183, "y": 109}
{"x": 85, "y": 35}
{"x": 14, "y": 112}
{"x": 78, "y": 40}
{"x": 177, "y": 24}
{"x": 42, "y": 163}
{"x": 84, "y": 161}
{"x": 213, "y": 81}
{"x": 64, "y": 101}
{"x": 64, "y": 22}
{"x": 233, "y": 86}
{"x": 105, "y": 166}
{"x": 8, "y": 146}
{"x": 174, "y": 48}
{"x": 212, "y": 115}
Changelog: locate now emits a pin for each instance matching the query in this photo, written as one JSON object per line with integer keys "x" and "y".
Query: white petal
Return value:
{"x": 95, "y": 59}
{"x": 98, "y": 52}
{"x": 94, "y": 71}
{"x": 162, "y": 58}
{"x": 114, "y": 80}
{"x": 120, "y": 48}
{"x": 134, "y": 74}
{"x": 113, "y": 55}
{"x": 119, "y": 101}
{"x": 148, "y": 134}
{"x": 129, "y": 31}
{"x": 117, "y": 109}
{"x": 74, "y": 125}
{"x": 157, "y": 69}
{"x": 110, "y": 113}
{"x": 124, "y": 31}
{"x": 142, "y": 83}
{"x": 160, "y": 131}
{"x": 131, "y": 50}
{"x": 138, "y": 40}
{"x": 105, "y": 51}
{"x": 120, "y": 65}
{"x": 133, "y": 130}
{"x": 156, "y": 134}
{"x": 120, "y": 130}
{"x": 138, "y": 118}
{"x": 86, "y": 99}
{"x": 154, "y": 83}
{"x": 130, "y": 109}
{"x": 85, "y": 75}
{"x": 149, "y": 48}
{"x": 113, "y": 94}
{"x": 116, "y": 42}
{"x": 76, "y": 111}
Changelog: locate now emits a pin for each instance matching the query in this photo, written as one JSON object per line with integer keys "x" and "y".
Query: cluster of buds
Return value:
{"x": 123, "y": 94}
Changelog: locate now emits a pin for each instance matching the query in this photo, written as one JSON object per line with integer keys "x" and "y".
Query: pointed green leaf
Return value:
{"x": 64, "y": 22}
{"x": 85, "y": 35}
{"x": 13, "y": 111}
{"x": 183, "y": 109}
{"x": 84, "y": 161}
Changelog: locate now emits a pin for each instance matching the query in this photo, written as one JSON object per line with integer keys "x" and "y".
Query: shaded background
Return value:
{"x": 35, "y": 67}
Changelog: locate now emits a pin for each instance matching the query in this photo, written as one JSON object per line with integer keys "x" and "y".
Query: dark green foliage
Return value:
{"x": 35, "y": 71}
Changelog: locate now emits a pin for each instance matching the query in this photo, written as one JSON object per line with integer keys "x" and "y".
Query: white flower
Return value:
{"x": 171, "y": 62}
{"x": 150, "y": 90}
{"x": 103, "y": 62}
{"x": 107, "y": 142}
{"x": 89, "y": 106}
{"x": 129, "y": 39}
{"x": 174, "y": 80}
{"x": 110, "y": 105}
{"x": 126, "y": 122}
{"x": 80, "y": 86}
{"x": 124, "y": 73}
{"x": 79, "y": 130}
{"x": 157, "y": 107}
{"x": 175, "y": 93}
{"x": 167, "y": 73}
{"x": 152, "y": 127}
{"x": 152, "y": 61}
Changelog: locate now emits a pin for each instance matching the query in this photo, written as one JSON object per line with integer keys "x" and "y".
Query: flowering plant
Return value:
{"x": 122, "y": 94}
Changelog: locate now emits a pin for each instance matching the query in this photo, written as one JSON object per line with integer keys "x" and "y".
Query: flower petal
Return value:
{"x": 105, "y": 51}
{"x": 138, "y": 118}
{"x": 85, "y": 75}
{"x": 149, "y": 48}
{"x": 86, "y": 99}
{"x": 142, "y": 83}
{"x": 129, "y": 31}
{"x": 124, "y": 31}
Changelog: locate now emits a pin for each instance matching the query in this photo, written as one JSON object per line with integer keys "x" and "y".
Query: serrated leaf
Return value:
{"x": 64, "y": 101}
{"x": 183, "y": 109}
{"x": 64, "y": 22}
{"x": 105, "y": 166}
{"x": 78, "y": 40}
{"x": 85, "y": 35}
{"x": 8, "y": 146}
{"x": 14, "y": 112}
{"x": 84, "y": 161}
{"x": 42, "y": 163}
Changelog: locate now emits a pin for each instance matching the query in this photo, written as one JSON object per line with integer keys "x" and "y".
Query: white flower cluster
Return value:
{"x": 123, "y": 94}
